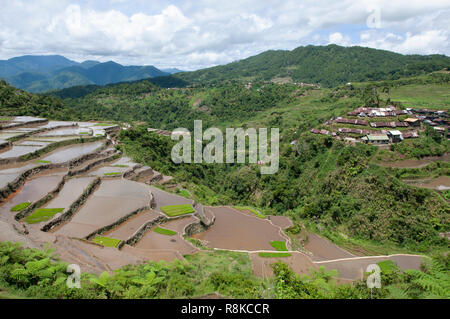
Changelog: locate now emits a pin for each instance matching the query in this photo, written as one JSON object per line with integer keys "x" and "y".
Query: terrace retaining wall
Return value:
{"x": 22, "y": 124}
{"x": 5, "y": 144}
{"x": 47, "y": 149}
{"x": 74, "y": 207}
{"x": 96, "y": 163}
{"x": 141, "y": 231}
{"x": 44, "y": 200}
{"x": 48, "y": 129}
{"x": 21, "y": 179}
{"x": 116, "y": 223}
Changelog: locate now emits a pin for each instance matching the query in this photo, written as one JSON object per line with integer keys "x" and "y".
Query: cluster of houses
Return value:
{"x": 439, "y": 120}
{"x": 377, "y": 112}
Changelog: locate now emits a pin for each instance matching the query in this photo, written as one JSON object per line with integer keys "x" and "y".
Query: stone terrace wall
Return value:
{"x": 74, "y": 207}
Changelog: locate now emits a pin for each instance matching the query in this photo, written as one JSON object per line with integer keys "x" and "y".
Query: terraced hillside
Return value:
{"x": 65, "y": 183}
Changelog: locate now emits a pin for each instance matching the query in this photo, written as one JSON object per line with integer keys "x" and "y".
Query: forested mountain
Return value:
{"x": 42, "y": 73}
{"x": 30, "y": 63}
{"x": 325, "y": 65}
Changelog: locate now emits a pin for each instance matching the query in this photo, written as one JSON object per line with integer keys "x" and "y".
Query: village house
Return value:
{"x": 378, "y": 139}
{"x": 389, "y": 124}
{"x": 412, "y": 121}
{"x": 410, "y": 134}
{"x": 395, "y": 136}
{"x": 350, "y": 121}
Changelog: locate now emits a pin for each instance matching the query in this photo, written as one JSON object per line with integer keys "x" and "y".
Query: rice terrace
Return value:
{"x": 236, "y": 151}
{"x": 68, "y": 198}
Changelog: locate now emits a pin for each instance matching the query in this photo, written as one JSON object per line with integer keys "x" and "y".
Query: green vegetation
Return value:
{"x": 84, "y": 133}
{"x": 106, "y": 241}
{"x": 340, "y": 181}
{"x": 103, "y": 124}
{"x": 274, "y": 255}
{"x": 120, "y": 165}
{"x": 32, "y": 273}
{"x": 251, "y": 210}
{"x": 183, "y": 192}
{"x": 177, "y": 210}
{"x": 42, "y": 162}
{"x": 113, "y": 174}
{"x": 164, "y": 231}
{"x": 20, "y": 207}
{"x": 279, "y": 245}
{"x": 329, "y": 66}
{"x": 6, "y": 118}
{"x": 42, "y": 215}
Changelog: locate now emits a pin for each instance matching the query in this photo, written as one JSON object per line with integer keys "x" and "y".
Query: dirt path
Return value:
{"x": 354, "y": 268}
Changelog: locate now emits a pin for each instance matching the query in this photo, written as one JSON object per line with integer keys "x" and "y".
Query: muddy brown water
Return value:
{"x": 298, "y": 262}
{"x": 281, "y": 221}
{"x": 354, "y": 268}
{"x": 163, "y": 198}
{"x": 32, "y": 191}
{"x": 238, "y": 231}
{"x": 411, "y": 163}
{"x": 113, "y": 200}
{"x": 131, "y": 226}
{"x": 440, "y": 183}
{"x": 154, "y": 255}
{"x": 152, "y": 240}
{"x": 71, "y": 152}
{"x": 72, "y": 131}
{"x": 73, "y": 188}
{"x": 18, "y": 150}
{"x": 101, "y": 171}
{"x": 323, "y": 249}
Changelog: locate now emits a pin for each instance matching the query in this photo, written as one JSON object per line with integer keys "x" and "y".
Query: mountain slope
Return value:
{"x": 30, "y": 63}
{"x": 43, "y": 73}
{"x": 327, "y": 65}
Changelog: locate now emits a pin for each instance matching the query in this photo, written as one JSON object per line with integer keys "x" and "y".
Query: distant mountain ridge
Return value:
{"x": 328, "y": 66}
{"x": 50, "y": 72}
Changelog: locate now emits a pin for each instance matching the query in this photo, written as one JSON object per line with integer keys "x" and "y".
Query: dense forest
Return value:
{"x": 327, "y": 66}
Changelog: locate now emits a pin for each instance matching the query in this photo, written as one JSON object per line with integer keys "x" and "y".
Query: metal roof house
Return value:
{"x": 376, "y": 139}
{"x": 395, "y": 136}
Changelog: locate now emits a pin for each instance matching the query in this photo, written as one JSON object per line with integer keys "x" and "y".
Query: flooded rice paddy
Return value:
{"x": 18, "y": 150}
{"x": 235, "y": 230}
{"x": 32, "y": 191}
{"x": 129, "y": 228}
{"x": 440, "y": 183}
{"x": 155, "y": 241}
{"x": 71, "y": 152}
{"x": 113, "y": 200}
{"x": 323, "y": 249}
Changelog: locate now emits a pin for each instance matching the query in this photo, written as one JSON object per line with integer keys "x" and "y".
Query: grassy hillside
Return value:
{"x": 325, "y": 65}
{"x": 340, "y": 178}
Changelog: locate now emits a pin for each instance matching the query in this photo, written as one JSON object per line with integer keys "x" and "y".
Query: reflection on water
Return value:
{"x": 72, "y": 152}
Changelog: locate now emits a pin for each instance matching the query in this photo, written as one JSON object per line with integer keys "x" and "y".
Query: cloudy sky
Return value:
{"x": 192, "y": 34}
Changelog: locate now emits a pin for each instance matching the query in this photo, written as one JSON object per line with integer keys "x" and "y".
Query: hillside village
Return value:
{"x": 363, "y": 125}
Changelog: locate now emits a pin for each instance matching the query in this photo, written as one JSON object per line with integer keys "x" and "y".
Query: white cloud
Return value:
{"x": 338, "y": 38}
{"x": 193, "y": 34}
